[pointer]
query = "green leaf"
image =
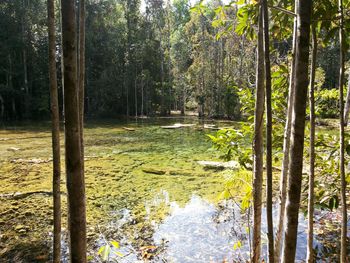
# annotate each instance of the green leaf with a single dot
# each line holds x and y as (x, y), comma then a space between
(100, 251)
(106, 252)
(115, 244)
(224, 195)
(119, 254)
(237, 245)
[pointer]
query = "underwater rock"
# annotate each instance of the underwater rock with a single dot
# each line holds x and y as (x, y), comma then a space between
(177, 126)
(219, 165)
(13, 149)
(153, 171)
(129, 129)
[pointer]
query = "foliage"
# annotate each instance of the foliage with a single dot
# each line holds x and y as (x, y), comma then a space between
(109, 251)
(327, 103)
(233, 144)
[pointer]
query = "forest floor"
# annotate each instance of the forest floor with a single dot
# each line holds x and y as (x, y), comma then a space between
(135, 179)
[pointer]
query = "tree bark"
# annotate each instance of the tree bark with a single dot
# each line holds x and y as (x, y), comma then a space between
(81, 72)
(268, 133)
(310, 230)
(2, 108)
(298, 127)
(347, 104)
(286, 153)
(258, 147)
(24, 56)
(342, 135)
(56, 151)
(74, 161)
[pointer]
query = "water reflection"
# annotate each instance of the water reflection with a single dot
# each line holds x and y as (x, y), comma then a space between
(203, 232)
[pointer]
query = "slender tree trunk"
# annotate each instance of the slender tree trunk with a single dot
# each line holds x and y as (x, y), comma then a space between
(347, 104)
(135, 87)
(74, 161)
(56, 151)
(142, 97)
(298, 127)
(62, 67)
(163, 108)
(310, 232)
(10, 85)
(343, 246)
(286, 151)
(183, 108)
(2, 108)
(25, 70)
(258, 147)
(268, 133)
(81, 90)
(126, 87)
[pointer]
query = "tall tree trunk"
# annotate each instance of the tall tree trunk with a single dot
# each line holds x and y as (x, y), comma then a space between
(56, 151)
(61, 61)
(135, 90)
(258, 147)
(268, 133)
(286, 151)
(10, 85)
(163, 107)
(25, 70)
(142, 87)
(347, 104)
(2, 108)
(342, 135)
(81, 81)
(310, 230)
(298, 128)
(74, 161)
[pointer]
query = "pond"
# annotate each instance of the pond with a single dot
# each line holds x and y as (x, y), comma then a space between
(144, 188)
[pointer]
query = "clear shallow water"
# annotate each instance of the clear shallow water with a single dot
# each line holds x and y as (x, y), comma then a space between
(123, 200)
(203, 232)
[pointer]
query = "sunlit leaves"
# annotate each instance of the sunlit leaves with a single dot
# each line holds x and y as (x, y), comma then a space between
(109, 251)
(247, 16)
(237, 245)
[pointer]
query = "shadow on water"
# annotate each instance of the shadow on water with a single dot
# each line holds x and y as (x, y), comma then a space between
(27, 253)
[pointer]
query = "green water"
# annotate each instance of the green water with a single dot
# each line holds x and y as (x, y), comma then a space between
(124, 170)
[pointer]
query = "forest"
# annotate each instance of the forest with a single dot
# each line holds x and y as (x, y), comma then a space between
(174, 131)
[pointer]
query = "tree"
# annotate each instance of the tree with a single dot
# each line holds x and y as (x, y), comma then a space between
(286, 150)
(81, 80)
(269, 186)
(55, 133)
(298, 129)
(258, 143)
(310, 230)
(74, 160)
(342, 135)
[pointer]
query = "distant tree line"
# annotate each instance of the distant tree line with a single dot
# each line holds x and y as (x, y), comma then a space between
(141, 59)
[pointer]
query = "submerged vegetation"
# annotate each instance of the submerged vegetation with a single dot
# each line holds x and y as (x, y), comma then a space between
(118, 164)
(134, 177)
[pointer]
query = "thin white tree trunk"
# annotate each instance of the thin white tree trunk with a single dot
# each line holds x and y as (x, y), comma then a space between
(347, 104)
(258, 147)
(343, 247)
(298, 129)
(286, 148)
(310, 230)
